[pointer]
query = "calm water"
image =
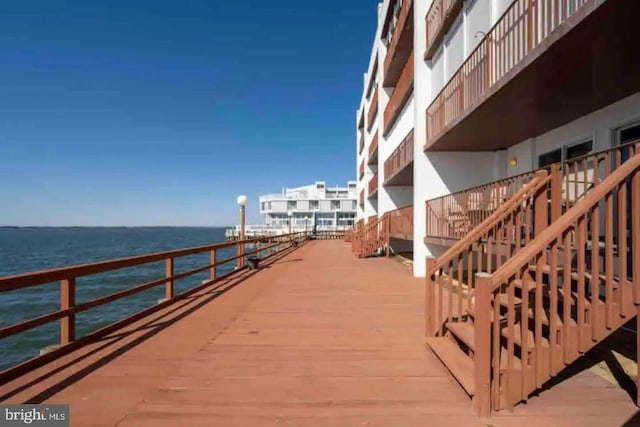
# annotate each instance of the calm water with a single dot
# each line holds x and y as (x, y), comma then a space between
(27, 250)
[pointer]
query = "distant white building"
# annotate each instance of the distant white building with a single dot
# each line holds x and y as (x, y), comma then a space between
(305, 208)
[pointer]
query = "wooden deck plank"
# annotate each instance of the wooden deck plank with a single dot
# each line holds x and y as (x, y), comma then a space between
(319, 338)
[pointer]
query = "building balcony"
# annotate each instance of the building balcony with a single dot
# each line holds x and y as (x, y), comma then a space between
(538, 68)
(439, 19)
(361, 170)
(361, 143)
(401, 223)
(373, 151)
(398, 169)
(361, 198)
(373, 110)
(400, 95)
(373, 186)
(401, 43)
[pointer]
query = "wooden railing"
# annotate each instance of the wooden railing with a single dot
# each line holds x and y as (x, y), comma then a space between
(395, 52)
(70, 307)
(373, 185)
(439, 18)
(369, 238)
(373, 147)
(401, 222)
(400, 158)
(452, 216)
(544, 238)
(523, 27)
(587, 265)
(400, 95)
(373, 110)
(450, 282)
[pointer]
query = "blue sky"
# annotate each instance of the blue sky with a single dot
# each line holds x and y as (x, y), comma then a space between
(161, 112)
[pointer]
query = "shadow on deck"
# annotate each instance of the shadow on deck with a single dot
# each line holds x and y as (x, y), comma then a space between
(319, 338)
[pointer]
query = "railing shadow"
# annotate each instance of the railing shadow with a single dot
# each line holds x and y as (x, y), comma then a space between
(634, 421)
(622, 342)
(202, 298)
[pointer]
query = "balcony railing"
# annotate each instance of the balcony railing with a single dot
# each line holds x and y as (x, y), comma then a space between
(400, 95)
(452, 216)
(399, 159)
(439, 19)
(361, 170)
(373, 185)
(522, 28)
(401, 222)
(373, 150)
(373, 110)
(400, 45)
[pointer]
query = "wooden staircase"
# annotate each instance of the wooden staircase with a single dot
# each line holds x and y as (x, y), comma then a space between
(371, 238)
(525, 294)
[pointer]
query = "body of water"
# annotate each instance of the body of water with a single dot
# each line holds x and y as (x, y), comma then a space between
(25, 250)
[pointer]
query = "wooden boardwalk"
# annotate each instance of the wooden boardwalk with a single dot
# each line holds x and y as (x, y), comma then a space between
(316, 338)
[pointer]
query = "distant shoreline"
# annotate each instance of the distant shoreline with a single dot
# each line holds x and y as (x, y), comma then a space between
(56, 227)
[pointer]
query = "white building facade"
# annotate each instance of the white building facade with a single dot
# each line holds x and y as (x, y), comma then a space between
(459, 93)
(315, 205)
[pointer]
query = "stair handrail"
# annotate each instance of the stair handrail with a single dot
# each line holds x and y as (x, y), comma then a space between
(539, 179)
(562, 224)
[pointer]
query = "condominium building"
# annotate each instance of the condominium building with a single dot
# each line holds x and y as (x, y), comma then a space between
(307, 208)
(500, 141)
(326, 208)
(461, 93)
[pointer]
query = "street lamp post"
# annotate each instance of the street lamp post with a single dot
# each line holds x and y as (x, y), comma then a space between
(242, 201)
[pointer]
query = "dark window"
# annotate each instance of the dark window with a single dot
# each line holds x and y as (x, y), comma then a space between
(630, 134)
(579, 150)
(551, 157)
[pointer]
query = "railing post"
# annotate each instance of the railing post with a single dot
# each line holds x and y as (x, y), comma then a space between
(541, 211)
(530, 33)
(212, 261)
(168, 291)
(429, 299)
(387, 233)
(482, 356)
(67, 301)
(556, 191)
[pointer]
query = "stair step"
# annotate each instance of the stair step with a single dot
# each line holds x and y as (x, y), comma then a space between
(517, 337)
(459, 364)
(504, 300)
(603, 278)
(504, 362)
(465, 332)
(546, 269)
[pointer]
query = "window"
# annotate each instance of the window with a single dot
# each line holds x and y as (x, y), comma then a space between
(269, 205)
(579, 150)
(346, 219)
(324, 219)
(314, 204)
(629, 134)
(549, 158)
(262, 205)
(291, 205)
(565, 153)
(335, 205)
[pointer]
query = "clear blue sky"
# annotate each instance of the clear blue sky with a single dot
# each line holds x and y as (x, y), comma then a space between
(161, 112)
